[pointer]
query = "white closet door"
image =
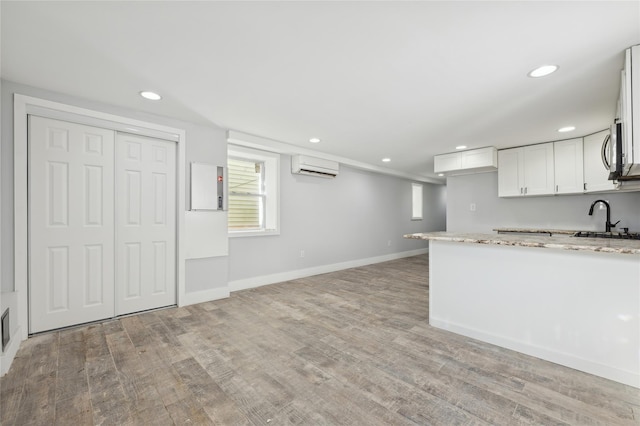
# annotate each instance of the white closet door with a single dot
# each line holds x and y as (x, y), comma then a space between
(71, 259)
(145, 223)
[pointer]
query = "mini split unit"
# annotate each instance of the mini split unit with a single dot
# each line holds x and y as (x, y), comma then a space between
(304, 165)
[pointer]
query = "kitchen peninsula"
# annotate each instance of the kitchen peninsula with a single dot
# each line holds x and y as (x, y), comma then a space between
(573, 301)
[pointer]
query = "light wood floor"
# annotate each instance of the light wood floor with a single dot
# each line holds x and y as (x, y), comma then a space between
(346, 348)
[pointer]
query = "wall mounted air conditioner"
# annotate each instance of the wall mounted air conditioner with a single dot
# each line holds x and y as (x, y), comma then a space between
(305, 165)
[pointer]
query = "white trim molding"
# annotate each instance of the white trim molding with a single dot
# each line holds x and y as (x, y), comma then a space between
(24, 105)
(209, 295)
(10, 352)
(271, 163)
(259, 281)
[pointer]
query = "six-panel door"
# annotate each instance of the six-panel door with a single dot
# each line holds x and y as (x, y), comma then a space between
(145, 223)
(102, 223)
(71, 224)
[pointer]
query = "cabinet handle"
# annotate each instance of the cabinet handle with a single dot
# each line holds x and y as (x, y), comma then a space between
(521, 190)
(584, 187)
(556, 188)
(525, 190)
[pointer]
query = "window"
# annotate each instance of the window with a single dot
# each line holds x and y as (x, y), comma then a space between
(416, 201)
(253, 188)
(246, 194)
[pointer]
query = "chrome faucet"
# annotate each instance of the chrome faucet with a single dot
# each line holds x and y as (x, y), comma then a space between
(608, 224)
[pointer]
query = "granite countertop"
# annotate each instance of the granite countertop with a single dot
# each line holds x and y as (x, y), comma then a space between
(563, 242)
(537, 231)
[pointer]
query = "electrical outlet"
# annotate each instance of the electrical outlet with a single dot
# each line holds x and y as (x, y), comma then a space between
(389, 243)
(301, 253)
(602, 206)
(472, 207)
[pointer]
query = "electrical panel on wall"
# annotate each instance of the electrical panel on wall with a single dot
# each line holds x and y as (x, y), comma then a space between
(207, 187)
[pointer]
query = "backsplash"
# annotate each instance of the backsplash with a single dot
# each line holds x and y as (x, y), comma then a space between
(556, 212)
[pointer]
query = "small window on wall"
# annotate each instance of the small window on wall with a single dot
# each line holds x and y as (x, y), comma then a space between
(246, 195)
(416, 201)
(253, 187)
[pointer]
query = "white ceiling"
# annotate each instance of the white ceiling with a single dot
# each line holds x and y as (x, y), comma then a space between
(404, 80)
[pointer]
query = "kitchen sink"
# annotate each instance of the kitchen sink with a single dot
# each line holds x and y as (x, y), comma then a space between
(612, 235)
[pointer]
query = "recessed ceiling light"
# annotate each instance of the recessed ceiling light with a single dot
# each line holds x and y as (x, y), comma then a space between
(461, 147)
(314, 140)
(386, 160)
(567, 129)
(440, 174)
(543, 70)
(152, 96)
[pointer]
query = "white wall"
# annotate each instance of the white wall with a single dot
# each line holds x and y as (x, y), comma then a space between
(1, 302)
(349, 218)
(204, 144)
(557, 212)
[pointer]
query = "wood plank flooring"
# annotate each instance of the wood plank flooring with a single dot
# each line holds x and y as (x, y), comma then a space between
(348, 348)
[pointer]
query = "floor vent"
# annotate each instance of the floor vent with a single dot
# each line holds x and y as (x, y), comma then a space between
(5, 329)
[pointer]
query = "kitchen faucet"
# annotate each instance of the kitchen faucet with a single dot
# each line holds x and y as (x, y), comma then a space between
(608, 224)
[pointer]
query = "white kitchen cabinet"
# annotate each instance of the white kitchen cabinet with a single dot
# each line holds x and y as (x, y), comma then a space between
(568, 166)
(511, 172)
(596, 175)
(464, 162)
(627, 110)
(525, 171)
(479, 159)
(538, 169)
(447, 162)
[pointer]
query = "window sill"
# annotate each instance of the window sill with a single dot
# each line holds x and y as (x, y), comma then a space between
(253, 233)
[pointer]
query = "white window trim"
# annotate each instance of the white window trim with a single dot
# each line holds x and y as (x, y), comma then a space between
(416, 201)
(24, 105)
(272, 188)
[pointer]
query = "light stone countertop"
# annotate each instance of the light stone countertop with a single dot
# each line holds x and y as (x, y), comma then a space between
(563, 242)
(538, 231)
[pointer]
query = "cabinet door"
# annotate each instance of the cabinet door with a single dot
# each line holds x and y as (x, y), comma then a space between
(596, 175)
(476, 158)
(538, 169)
(447, 162)
(510, 172)
(568, 166)
(626, 110)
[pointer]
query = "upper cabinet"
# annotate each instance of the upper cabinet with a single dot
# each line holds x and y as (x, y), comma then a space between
(526, 171)
(596, 172)
(538, 169)
(446, 163)
(464, 162)
(629, 115)
(568, 166)
(572, 166)
(511, 172)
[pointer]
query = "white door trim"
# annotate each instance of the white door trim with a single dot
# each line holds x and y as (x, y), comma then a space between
(23, 105)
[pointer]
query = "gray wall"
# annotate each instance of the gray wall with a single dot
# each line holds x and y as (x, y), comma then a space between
(348, 218)
(204, 144)
(351, 217)
(557, 212)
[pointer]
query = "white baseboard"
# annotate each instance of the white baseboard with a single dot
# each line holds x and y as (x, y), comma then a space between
(205, 296)
(630, 378)
(10, 351)
(259, 281)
